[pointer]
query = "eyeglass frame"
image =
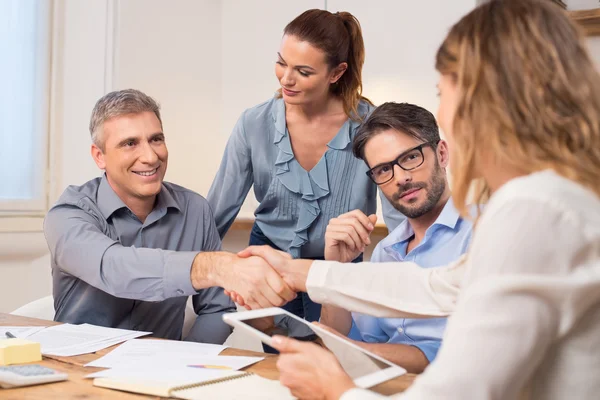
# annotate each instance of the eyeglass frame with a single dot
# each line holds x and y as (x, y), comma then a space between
(432, 143)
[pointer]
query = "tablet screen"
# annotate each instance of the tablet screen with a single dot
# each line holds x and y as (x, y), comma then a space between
(355, 362)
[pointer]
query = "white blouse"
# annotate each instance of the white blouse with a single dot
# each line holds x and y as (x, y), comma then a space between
(524, 302)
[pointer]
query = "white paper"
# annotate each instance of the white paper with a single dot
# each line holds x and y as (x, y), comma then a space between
(19, 331)
(70, 340)
(139, 353)
(96, 346)
(169, 377)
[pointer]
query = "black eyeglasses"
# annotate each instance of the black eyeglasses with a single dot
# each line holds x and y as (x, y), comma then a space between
(409, 160)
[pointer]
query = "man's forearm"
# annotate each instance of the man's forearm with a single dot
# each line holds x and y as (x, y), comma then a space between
(336, 318)
(207, 268)
(408, 357)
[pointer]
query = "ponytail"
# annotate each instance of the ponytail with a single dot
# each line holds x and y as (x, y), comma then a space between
(339, 36)
(349, 86)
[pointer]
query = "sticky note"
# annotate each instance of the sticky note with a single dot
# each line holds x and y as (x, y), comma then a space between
(18, 351)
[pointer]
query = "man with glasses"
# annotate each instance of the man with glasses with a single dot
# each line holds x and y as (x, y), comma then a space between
(407, 159)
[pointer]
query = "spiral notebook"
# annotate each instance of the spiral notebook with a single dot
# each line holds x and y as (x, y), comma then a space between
(230, 385)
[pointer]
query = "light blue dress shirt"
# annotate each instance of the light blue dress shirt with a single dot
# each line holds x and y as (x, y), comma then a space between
(444, 242)
(295, 205)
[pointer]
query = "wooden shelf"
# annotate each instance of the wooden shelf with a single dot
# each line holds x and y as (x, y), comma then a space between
(245, 224)
(588, 19)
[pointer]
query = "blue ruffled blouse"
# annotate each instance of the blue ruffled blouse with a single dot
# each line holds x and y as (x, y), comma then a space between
(295, 205)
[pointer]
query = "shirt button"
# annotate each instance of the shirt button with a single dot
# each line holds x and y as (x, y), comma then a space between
(400, 330)
(179, 291)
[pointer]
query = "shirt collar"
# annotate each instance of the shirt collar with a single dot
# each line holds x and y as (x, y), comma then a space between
(448, 217)
(109, 202)
(339, 142)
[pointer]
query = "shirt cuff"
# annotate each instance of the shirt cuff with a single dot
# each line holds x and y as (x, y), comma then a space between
(361, 394)
(430, 349)
(178, 266)
(316, 279)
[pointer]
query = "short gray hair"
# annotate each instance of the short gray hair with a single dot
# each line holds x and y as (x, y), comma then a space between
(115, 104)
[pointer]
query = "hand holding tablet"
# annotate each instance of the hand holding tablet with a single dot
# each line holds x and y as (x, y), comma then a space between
(364, 368)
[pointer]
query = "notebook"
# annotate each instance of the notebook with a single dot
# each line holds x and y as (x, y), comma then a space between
(230, 385)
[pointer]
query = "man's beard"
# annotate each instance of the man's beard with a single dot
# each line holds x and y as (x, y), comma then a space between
(435, 189)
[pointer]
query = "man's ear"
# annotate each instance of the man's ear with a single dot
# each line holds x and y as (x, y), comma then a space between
(443, 153)
(98, 156)
(338, 72)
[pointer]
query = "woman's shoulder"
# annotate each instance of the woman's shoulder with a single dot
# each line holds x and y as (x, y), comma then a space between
(544, 195)
(263, 111)
(365, 107)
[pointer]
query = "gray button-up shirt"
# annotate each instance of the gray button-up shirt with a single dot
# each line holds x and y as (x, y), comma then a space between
(110, 269)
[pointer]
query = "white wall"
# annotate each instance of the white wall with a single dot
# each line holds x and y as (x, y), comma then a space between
(401, 40)
(592, 42)
(172, 51)
(205, 61)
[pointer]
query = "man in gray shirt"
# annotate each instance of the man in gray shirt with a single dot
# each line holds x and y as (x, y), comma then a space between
(128, 249)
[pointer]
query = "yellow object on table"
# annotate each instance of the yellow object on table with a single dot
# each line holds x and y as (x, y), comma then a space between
(18, 351)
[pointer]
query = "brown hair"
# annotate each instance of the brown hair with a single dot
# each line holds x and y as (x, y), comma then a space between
(339, 36)
(406, 118)
(115, 104)
(529, 94)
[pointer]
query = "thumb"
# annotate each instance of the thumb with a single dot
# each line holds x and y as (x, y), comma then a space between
(250, 251)
(373, 218)
(286, 345)
(244, 253)
(267, 253)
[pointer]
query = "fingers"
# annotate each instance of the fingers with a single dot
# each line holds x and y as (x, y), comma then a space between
(362, 226)
(259, 284)
(269, 254)
(352, 228)
(235, 297)
(373, 219)
(264, 285)
(244, 253)
(278, 286)
(346, 234)
(287, 345)
(258, 250)
(360, 217)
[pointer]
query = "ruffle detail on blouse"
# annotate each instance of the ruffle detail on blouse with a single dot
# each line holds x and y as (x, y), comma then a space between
(312, 185)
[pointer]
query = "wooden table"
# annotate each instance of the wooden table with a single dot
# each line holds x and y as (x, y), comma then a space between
(76, 387)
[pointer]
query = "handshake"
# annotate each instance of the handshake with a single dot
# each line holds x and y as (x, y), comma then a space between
(261, 277)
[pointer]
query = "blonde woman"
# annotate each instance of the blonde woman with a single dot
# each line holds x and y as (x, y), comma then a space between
(520, 105)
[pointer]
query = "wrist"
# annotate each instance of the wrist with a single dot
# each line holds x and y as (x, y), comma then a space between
(207, 269)
(339, 387)
(299, 274)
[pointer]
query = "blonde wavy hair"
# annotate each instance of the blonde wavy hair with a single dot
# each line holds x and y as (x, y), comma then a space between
(529, 95)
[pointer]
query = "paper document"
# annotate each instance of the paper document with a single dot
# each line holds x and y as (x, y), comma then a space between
(171, 376)
(138, 353)
(71, 340)
(21, 332)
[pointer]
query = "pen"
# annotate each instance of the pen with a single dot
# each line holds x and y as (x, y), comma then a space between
(10, 335)
(209, 366)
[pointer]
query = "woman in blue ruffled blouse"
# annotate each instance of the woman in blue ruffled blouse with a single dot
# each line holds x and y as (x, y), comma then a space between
(296, 147)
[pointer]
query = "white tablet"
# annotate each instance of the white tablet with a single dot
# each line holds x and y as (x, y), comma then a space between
(364, 367)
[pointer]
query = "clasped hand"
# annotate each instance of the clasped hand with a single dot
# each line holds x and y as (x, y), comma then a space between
(290, 274)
